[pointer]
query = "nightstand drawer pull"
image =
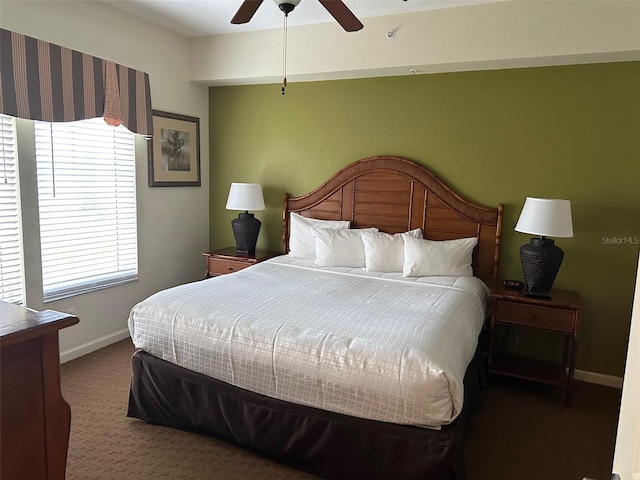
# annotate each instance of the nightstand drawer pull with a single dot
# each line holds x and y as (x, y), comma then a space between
(547, 318)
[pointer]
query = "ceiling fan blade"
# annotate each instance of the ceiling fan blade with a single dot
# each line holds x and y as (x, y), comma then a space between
(246, 11)
(342, 14)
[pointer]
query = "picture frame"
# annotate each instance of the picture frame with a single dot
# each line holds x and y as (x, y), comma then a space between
(174, 151)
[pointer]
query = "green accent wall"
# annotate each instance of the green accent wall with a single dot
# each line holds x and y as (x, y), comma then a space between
(495, 136)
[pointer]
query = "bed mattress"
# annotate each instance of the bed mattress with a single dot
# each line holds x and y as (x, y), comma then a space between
(375, 346)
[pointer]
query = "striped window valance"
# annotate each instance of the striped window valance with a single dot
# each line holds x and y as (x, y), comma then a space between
(43, 81)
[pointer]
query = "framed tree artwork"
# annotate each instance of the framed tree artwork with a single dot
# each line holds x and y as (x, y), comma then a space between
(174, 151)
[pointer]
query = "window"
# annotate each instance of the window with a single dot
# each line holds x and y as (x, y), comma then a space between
(87, 205)
(11, 270)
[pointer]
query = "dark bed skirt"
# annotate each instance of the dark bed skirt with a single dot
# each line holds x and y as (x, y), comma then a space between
(330, 445)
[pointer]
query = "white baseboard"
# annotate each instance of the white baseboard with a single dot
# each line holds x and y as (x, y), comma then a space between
(93, 345)
(598, 378)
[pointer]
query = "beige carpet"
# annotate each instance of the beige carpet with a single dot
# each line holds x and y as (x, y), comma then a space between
(522, 432)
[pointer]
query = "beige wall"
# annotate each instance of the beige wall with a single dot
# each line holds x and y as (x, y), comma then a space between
(172, 222)
(510, 34)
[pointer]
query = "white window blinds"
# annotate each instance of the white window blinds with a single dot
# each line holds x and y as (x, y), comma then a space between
(11, 271)
(87, 204)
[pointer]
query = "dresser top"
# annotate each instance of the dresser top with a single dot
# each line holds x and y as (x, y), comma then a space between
(18, 323)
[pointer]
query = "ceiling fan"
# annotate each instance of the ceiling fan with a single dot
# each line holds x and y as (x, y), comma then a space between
(336, 8)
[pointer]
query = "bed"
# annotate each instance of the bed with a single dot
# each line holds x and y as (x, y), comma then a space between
(294, 358)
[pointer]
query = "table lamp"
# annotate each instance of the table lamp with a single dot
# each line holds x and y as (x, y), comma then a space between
(541, 258)
(245, 196)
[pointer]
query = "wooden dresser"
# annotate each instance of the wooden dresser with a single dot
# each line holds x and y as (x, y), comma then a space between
(34, 418)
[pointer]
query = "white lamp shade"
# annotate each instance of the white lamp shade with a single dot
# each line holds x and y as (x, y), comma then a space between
(547, 217)
(245, 196)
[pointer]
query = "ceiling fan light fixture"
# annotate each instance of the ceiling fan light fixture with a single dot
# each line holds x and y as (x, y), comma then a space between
(287, 6)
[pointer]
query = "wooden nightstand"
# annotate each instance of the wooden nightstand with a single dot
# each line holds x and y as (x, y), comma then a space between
(560, 314)
(228, 260)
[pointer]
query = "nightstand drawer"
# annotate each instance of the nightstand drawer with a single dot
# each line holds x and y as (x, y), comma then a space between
(547, 318)
(229, 260)
(220, 267)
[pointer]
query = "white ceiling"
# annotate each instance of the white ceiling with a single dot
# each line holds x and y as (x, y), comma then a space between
(195, 18)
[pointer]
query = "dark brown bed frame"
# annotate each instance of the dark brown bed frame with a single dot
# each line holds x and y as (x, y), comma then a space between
(395, 195)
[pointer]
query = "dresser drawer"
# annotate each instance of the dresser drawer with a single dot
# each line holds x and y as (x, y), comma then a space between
(547, 318)
(218, 266)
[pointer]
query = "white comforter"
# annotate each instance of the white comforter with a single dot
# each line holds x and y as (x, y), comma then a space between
(374, 346)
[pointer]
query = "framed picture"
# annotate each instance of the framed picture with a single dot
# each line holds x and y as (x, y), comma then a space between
(174, 151)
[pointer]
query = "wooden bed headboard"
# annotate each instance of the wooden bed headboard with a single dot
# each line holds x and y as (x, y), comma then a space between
(396, 195)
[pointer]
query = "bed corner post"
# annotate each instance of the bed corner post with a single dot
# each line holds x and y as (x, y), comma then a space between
(496, 257)
(285, 223)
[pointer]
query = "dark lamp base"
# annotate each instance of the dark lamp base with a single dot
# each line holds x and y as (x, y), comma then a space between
(245, 230)
(541, 260)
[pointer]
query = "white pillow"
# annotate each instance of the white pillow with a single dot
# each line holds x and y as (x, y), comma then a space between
(339, 248)
(301, 242)
(384, 252)
(423, 258)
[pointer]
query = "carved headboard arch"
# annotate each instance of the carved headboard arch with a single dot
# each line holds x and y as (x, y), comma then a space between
(395, 194)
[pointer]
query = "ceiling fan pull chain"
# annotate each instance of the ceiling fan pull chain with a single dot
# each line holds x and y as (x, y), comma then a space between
(284, 56)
